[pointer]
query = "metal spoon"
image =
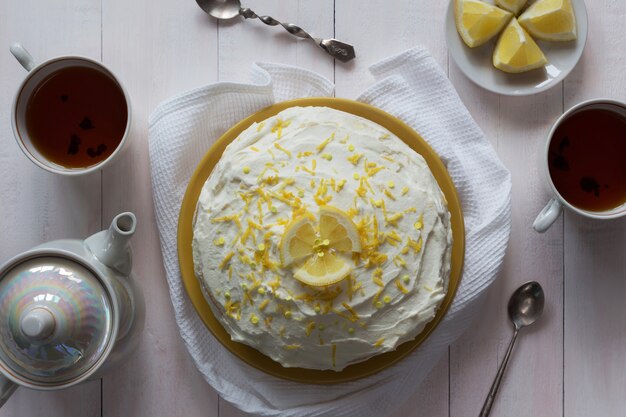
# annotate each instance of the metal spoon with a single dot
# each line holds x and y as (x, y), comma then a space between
(525, 306)
(228, 9)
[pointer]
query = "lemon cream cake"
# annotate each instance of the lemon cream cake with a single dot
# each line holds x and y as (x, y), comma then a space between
(321, 239)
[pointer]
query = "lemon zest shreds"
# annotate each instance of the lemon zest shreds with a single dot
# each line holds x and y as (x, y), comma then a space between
(415, 245)
(361, 190)
(379, 342)
(226, 259)
(278, 127)
(230, 218)
(399, 261)
(263, 305)
(401, 287)
(394, 235)
(390, 241)
(309, 328)
(293, 347)
(354, 158)
(219, 241)
(377, 277)
(310, 171)
(394, 218)
(319, 148)
(343, 315)
(254, 148)
(373, 171)
(246, 297)
(271, 153)
(388, 194)
(233, 309)
(260, 126)
(280, 148)
(354, 314)
(404, 190)
(303, 154)
(327, 156)
(274, 284)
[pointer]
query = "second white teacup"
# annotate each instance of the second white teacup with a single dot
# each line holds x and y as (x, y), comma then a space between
(558, 157)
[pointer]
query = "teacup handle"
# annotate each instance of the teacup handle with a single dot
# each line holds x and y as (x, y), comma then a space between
(6, 389)
(23, 56)
(547, 216)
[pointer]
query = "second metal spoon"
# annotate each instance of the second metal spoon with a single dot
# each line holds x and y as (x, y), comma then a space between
(525, 306)
(228, 9)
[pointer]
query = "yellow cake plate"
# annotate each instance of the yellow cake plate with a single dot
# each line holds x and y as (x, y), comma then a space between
(252, 356)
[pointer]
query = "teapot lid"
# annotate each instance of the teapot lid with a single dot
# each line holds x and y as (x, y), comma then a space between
(56, 321)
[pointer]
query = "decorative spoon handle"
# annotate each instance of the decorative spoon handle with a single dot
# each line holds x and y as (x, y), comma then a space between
(496, 383)
(338, 50)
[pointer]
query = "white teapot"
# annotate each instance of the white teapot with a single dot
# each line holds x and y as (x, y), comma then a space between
(69, 310)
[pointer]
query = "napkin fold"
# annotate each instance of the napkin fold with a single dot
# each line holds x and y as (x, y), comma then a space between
(410, 86)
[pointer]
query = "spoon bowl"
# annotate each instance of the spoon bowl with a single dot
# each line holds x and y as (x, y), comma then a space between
(526, 304)
(220, 9)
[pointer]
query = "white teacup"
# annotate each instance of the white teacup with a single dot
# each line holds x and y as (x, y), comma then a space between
(553, 209)
(38, 72)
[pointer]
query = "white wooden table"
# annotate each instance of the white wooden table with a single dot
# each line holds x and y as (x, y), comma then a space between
(572, 363)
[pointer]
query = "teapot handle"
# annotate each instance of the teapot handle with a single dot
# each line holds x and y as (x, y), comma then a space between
(6, 389)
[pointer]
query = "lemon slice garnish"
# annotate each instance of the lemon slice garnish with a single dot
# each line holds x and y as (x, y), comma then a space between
(324, 270)
(339, 230)
(298, 239)
(513, 6)
(320, 250)
(551, 20)
(516, 51)
(477, 22)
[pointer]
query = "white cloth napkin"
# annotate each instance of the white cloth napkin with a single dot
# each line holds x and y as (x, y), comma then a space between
(410, 86)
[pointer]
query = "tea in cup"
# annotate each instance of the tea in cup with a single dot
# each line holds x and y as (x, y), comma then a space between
(71, 115)
(585, 162)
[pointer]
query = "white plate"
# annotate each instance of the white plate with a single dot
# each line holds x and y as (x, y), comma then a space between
(476, 63)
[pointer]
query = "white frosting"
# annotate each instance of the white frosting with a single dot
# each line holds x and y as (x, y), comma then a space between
(355, 319)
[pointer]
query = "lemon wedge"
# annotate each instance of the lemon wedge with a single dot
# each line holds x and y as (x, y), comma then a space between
(550, 20)
(322, 249)
(516, 51)
(477, 22)
(513, 6)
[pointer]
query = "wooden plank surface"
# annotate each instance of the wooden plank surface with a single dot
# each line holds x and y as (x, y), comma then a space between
(595, 261)
(159, 49)
(38, 206)
(570, 364)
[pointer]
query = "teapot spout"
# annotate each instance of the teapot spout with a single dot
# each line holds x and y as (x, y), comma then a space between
(112, 246)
